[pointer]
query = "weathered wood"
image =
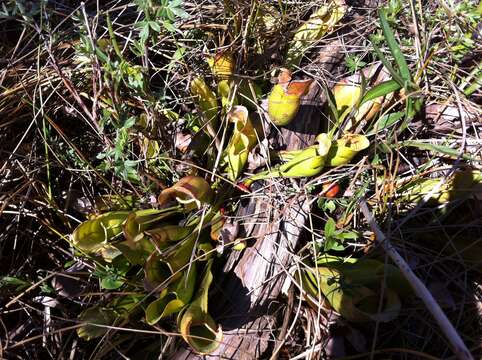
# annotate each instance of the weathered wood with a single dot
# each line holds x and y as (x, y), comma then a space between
(245, 302)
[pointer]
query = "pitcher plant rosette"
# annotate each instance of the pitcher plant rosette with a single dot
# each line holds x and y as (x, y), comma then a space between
(173, 245)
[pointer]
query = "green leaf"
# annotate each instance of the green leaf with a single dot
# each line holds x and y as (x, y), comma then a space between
(330, 98)
(326, 205)
(111, 282)
(393, 46)
(176, 298)
(195, 324)
(382, 89)
(169, 26)
(111, 276)
(347, 235)
(91, 235)
(179, 11)
(176, 57)
(396, 76)
(144, 34)
(352, 288)
(333, 243)
(386, 121)
(436, 148)
(112, 37)
(330, 228)
(169, 14)
(95, 320)
(137, 48)
(130, 122)
(173, 4)
(414, 105)
(19, 284)
(477, 81)
(354, 62)
(155, 26)
(101, 55)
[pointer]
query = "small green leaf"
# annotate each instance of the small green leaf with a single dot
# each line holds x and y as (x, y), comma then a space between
(111, 282)
(330, 206)
(130, 122)
(169, 26)
(354, 62)
(144, 34)
(386, 121)
(326, 205)
(347, 235)
(176, 57)
(169, 14)
(333, 243)
(155, 26)
(179, 12)
(111, 276)
(382, 89)
(330, 228)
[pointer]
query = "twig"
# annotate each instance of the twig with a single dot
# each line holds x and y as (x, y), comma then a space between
(284, 327)
(459, 347)
(30, 288)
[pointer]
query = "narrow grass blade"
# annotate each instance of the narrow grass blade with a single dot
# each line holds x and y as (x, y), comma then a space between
(113, 39)
(476, 83)
(396, 76)
(441, 149)
(331, 101)
(393, 46)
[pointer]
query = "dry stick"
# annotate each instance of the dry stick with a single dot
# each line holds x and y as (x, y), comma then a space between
(459, 347)
(30, 288)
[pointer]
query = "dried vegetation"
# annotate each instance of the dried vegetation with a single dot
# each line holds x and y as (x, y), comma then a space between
(180, 179)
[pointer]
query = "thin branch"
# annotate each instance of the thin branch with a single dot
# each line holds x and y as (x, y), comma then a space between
(458, 345)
